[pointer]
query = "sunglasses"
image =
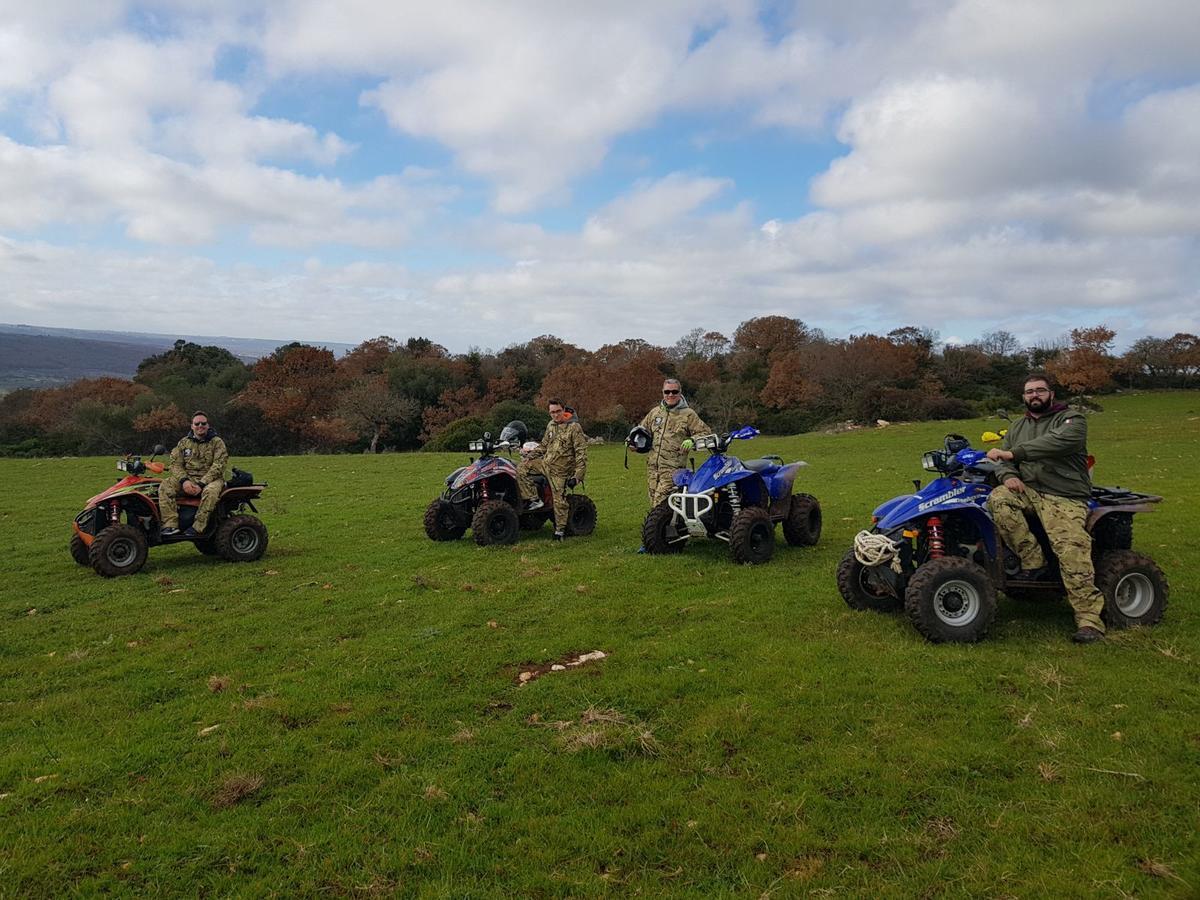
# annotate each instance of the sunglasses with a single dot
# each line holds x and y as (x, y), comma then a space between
(670, 393)
(199, 424)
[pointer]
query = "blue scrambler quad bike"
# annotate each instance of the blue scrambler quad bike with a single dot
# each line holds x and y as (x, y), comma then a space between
(483, 496)
(936, 553)
(734, 501)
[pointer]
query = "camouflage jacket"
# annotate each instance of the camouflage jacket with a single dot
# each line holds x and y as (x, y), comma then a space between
(1049, 453)
(670, 427)
(201, 461)
(564, 447)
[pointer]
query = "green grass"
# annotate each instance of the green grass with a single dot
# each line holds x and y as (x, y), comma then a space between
(747, 734)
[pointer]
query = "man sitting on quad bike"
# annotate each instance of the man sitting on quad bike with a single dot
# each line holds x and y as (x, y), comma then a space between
(1042, 467)
(561, 457)
(198, 469)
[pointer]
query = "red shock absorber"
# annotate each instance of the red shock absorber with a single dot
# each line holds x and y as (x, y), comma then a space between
(483, 491)
(937, 540)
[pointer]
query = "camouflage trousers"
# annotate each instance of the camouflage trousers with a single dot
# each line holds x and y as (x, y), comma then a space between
(1064, 521)
(660, 481)
(558, 488)
(168, 505)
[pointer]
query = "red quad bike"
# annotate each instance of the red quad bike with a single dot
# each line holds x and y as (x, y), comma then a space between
(483, 496)
(118, 526)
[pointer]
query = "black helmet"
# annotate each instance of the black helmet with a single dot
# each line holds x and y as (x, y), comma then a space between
(956, 442)
(514, 432)
(640, 439)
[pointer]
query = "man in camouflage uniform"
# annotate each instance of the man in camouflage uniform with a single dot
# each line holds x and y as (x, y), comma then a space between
(561, 457)
(197, 469)
(1043, 469)
(674, 424)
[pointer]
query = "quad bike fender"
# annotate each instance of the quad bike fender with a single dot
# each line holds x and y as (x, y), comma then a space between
(779, 482)
(1099, 512)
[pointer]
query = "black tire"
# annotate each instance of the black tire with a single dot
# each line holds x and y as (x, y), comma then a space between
(495, 522)
(241, 539)
(752, 536)
(1134, 587)
(118, 550)
(951, 599)
(1113, 531)
(441, 522)
(659, 532)
(581, 516)
(208, 546)
(79, 551)
(856, 584)
(802, 527)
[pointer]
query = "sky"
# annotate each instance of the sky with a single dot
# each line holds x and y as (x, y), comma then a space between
(480, 173)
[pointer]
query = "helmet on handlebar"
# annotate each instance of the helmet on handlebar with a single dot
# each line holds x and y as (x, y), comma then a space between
(640, 440)
(514, 433)
(956, 442)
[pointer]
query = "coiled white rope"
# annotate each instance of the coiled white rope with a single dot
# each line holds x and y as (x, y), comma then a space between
(876, 550)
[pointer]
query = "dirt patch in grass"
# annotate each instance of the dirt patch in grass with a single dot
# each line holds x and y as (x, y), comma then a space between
(218, 683)
(531, 671)
(235, 789)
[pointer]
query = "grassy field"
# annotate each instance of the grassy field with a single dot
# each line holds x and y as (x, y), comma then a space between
(345, 716)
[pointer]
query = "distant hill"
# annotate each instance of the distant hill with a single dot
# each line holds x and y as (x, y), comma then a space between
(32, 356)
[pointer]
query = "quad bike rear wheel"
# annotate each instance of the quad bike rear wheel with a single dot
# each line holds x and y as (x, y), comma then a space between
(951, 599)
(1134, 587)
(79, 550)
(207, 546)
(802, 527)
(241, 539)
(118, 550)
(495, 522)
(752, 536)
(581, 516)
(660, 533)
(862, 586)
(441, 522)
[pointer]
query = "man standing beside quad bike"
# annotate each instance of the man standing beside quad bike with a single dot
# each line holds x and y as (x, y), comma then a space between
(561, 457)
(1042, 467)
(666, 434)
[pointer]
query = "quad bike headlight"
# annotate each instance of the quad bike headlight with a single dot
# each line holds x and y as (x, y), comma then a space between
(475, 446)
(707, 442)
(931, 461)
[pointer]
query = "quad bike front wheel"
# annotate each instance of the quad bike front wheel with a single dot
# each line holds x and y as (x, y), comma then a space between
(241, 539)
(118, 550)
(495, 522)
(951, 599)
(752, 536)
(1134, 587)
(441, 522)
(79, 551)
(863, 587)
(581, 516)
(660, 534)
(802, 527)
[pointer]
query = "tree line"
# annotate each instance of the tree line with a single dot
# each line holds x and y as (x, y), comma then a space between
(774, 372)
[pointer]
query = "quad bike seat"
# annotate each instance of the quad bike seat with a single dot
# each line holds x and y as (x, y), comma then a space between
(763, 466)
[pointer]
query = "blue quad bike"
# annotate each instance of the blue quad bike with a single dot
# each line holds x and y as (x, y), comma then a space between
(736, 501)
(935, 553)
(483, 496)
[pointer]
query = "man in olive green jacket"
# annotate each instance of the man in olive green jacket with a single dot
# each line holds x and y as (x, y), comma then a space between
(1043, 469)
(673, 424)
(561, 457)
(197, 469)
